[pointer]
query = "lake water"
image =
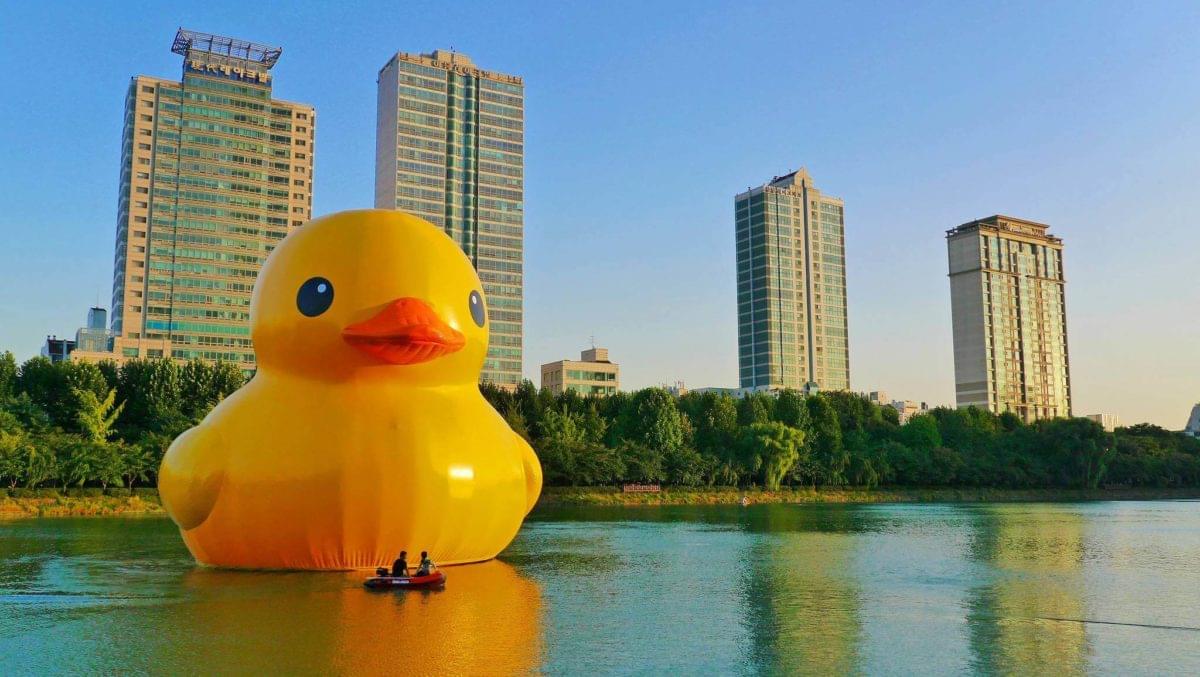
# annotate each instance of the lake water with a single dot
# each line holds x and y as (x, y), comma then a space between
(881, 589)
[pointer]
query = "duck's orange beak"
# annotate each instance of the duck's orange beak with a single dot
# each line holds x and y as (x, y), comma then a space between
(406, 331)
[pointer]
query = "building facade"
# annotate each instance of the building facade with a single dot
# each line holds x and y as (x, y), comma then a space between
(791, 273)
(592, 374)
(449, 147)
(1007, 294)
(214, 173)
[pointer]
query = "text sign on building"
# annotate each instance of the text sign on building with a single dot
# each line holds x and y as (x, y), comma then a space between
(202, 67)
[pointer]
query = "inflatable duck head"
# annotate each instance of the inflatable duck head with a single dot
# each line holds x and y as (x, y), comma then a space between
(370, 292)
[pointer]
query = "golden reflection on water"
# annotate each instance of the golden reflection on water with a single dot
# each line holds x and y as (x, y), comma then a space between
(802, 594)
(486, 621)
(1027, 620)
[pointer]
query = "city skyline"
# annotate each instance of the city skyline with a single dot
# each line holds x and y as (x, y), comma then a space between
(1129, 356)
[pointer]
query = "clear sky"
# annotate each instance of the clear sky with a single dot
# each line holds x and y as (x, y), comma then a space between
(645, 118)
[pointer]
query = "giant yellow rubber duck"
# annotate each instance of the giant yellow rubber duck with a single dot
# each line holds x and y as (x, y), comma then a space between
(363, 433)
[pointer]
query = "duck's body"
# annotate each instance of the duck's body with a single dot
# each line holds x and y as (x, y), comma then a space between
(340, 467)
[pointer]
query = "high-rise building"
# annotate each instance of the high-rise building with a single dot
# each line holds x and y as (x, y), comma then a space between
(791, 271)
(449, 147)
(592, 374)
(1010, 321)
(214, 173)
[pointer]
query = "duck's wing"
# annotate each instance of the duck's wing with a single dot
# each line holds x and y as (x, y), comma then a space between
(533, 472)
(191, 475)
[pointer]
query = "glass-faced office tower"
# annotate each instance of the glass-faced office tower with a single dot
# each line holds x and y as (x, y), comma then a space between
(791, 271)
(214, 173)
(449, 147)
(1009, 314)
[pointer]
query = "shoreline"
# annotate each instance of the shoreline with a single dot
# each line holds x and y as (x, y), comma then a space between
(28, 503)
(612, 496)
(24, 503)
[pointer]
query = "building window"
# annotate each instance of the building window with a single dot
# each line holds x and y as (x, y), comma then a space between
(143, 189)
(129, 352)
(298, 182)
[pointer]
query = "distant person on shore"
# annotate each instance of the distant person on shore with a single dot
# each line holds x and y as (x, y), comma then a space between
(427, 566)
(400, 566)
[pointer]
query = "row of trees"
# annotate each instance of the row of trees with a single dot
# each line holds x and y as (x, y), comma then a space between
(76, 424)
(68, 423)
(829, 439)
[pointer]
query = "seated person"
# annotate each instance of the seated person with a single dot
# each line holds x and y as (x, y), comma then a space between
(427, 566)
(400, 566)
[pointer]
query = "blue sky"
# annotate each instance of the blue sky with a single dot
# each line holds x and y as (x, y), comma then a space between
(643, 121)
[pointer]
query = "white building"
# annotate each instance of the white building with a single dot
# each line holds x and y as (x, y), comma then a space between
(1107, 421)
(1193, 425)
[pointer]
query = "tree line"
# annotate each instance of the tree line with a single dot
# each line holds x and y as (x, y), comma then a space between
(829, 439)
(72, 424)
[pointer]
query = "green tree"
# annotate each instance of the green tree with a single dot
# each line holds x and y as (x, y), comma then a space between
(828, 454)
(13, 454)
(643, 463)
(920, 432)
(775, 448)
(202, 386)
(791, 410)
(652, 419)
(152, 393)
(754, 408)
(97, 418)
(8, 376)
(1079, 447)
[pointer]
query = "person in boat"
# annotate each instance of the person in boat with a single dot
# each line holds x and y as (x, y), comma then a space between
(427, 566)
(400, 566)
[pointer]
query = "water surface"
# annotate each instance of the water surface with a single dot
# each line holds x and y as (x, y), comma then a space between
(879, 589)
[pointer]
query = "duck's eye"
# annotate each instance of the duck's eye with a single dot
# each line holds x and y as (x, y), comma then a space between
(477, 312)
(315, 296)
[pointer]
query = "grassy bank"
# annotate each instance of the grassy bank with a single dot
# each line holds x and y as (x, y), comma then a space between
(16, 503)
(726, 495)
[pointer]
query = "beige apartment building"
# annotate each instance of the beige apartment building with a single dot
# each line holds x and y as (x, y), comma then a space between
(214, 173)
(791, 276)
(591, 374)
(1007, 294)
(450, 148)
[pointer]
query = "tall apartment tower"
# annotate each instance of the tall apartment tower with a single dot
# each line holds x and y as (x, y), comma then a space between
(449, 147)
(1010, 321)
(791, 270)
(214, 173)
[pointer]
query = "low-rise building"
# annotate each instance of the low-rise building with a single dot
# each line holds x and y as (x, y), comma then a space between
(1107, 421)
(57, 349)
(592, 374)
(905, 408)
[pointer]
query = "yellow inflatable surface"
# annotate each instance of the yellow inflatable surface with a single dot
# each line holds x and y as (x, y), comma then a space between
(363, 432)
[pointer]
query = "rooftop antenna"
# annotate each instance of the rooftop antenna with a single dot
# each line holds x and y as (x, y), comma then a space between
(593, 339)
